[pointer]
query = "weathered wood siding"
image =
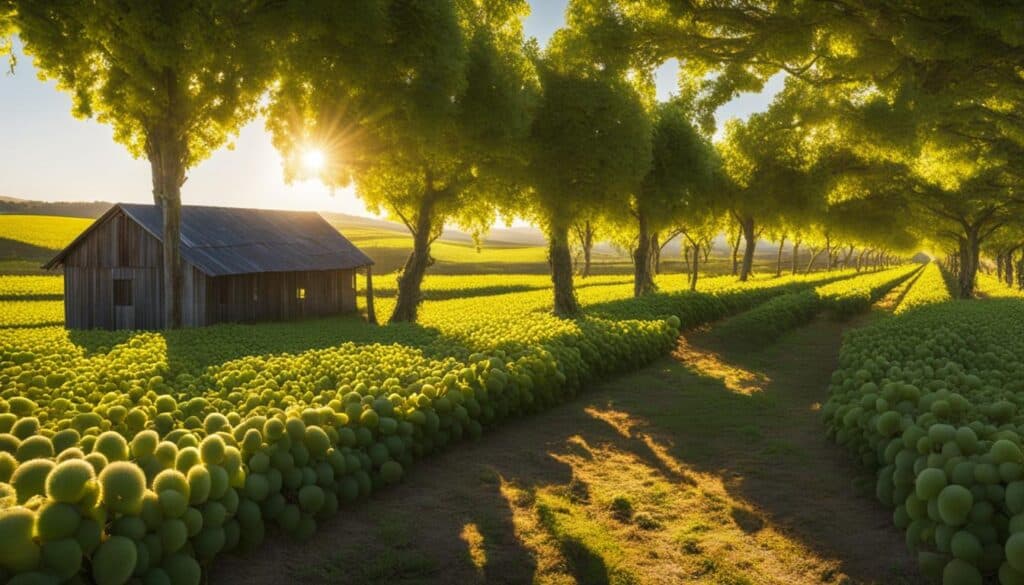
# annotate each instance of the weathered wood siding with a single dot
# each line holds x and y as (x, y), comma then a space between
(122, 249)
(118, 249)
(274, 296)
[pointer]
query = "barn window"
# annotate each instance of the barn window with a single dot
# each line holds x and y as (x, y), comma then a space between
(122, 292)
(300, 293)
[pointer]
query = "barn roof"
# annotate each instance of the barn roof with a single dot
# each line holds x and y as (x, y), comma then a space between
(221, 241)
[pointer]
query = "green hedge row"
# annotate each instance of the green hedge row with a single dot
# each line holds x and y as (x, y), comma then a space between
(933, 400)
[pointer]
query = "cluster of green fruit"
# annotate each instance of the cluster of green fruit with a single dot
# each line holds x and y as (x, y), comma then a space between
(771, 319)
(130, 475)
(847, 298)
(141, 456)
(929, 288)
(933, 401)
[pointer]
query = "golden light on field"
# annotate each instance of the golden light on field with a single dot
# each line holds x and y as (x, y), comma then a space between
(313, 160)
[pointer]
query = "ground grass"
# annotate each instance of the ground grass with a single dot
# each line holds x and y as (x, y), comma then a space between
(706, 467)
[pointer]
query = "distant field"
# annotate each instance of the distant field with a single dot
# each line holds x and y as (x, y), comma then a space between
(27, 241)
(43, 231)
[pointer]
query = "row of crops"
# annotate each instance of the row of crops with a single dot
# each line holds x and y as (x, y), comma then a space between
(143, 456)
(932, 401)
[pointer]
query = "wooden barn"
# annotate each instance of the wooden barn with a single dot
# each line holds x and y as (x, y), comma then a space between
(239, 265)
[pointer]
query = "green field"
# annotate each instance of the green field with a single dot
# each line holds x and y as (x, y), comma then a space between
(278, 425)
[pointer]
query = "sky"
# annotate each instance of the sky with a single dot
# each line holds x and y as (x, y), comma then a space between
(47, 154)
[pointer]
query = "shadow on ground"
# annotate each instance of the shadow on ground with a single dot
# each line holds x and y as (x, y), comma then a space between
(710, 466)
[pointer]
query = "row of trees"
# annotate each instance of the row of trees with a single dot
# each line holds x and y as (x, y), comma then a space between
(887, 135)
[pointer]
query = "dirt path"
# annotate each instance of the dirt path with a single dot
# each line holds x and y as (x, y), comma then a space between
(710, 466)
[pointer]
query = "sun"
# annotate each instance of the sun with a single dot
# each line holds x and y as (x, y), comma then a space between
(313, 160)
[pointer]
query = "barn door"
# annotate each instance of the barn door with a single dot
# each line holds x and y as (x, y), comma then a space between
(124, 304)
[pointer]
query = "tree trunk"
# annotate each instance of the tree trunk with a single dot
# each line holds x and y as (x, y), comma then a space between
(686, 256)
(814, 256)
(588, 246)
(796, 254)
(643, 278)
(1009, 269)
(846, 258)
(695, 273)
(560, 261)
(656, 253)
(748, 253)
(371, 312)
(1020, 273)
(860, 258)
(166, 158)
(410, 281)
(736, 252)
(969, 253)
(778, 260)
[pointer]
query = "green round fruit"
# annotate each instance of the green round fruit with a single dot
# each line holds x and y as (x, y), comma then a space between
(57, 521)
(391, 471)
(199, 484)
(966, 546)
(144, 444)
(171, 479)
(123, 486)
(929, 483)
(35, 447)
(173, 535)
(209, 542)
(63, 557)
(112, 445)
(68, 480)
(182, 569)
(172, 503)
(311, 499)
(1005, 451)
(19, 552)
(959, 572)
(317, 442)
(29, 479)
(211, 450)
(955, 504)
(1014, 549)
(114, 561)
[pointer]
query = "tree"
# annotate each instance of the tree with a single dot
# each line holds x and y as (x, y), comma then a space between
(677, 186)
(589, 150)
(941, 105)
(767, 163)
(7, 31)
(172, 89)
(425, 105)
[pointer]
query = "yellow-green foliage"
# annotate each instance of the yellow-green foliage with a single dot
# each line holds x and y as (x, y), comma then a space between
(929, 288)
(932, 401)
(990, 286)
(31, 313)
(20, 287)
(849, 297)
(45, 231)
(250, 425)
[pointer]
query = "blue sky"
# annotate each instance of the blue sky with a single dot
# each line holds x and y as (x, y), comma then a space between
(45, 153)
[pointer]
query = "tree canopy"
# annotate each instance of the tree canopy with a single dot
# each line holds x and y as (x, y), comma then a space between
(174, 82)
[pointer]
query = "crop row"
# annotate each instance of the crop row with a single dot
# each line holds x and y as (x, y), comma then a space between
(844, 298)
(929, 288)
(932, 400)
(25, 287)
(122, 458)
